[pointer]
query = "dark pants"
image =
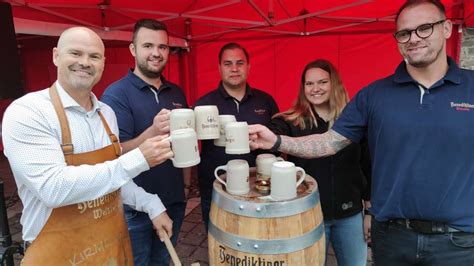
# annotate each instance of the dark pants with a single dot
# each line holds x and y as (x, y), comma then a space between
(146, 245)
(394, 244)
(206, 208)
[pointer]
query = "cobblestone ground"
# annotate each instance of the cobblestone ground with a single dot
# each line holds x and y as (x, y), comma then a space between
(192, 242)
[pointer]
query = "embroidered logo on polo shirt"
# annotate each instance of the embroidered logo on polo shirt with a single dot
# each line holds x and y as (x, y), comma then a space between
(465, 107)
(346, 205)
(260, 111)
(177, 105)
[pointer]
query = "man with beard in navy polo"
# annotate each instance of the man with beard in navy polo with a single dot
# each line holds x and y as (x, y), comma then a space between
(420, 126)
(142, 100)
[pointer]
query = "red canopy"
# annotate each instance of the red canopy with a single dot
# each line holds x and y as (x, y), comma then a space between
(210, 19)
(280, 35)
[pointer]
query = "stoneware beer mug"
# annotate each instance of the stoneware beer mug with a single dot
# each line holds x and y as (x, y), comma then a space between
(237, 138)
(181, 118)
(223, 120)
(284, 184)
(264, 164)
(207, 121)
(185, 148)
(237, 177)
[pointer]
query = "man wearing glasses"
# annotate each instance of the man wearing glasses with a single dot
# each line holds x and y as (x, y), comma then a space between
(420, 126)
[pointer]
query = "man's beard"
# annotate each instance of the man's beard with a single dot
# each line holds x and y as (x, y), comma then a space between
(426, 60)
(152, 74)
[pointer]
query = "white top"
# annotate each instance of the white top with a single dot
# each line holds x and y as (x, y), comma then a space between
(32, 143)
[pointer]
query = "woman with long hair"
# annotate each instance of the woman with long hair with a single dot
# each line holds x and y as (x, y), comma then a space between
(342, 178)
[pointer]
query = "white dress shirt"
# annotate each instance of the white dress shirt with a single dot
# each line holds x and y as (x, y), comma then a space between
(32, 143)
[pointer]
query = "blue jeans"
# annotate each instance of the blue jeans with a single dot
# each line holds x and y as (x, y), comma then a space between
(347, 238)
(394, 244)
(147, 247)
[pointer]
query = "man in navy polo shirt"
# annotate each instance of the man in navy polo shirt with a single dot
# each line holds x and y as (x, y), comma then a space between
(420, 125)
(233, 97)
(142, 100)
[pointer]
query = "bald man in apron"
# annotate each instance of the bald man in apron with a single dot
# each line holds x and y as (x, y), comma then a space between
(62, 146)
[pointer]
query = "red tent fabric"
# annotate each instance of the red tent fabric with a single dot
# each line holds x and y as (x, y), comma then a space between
(280, 35)
(208, 19)
(469, 13)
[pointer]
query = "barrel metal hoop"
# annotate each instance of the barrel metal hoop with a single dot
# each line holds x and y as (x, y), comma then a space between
(270, 247)
(266, 209)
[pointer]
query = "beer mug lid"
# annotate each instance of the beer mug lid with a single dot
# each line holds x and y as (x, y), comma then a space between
(265, 155)
(283, 164)
(237, 162)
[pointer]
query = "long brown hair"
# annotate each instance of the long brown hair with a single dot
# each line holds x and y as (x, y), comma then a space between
(301, 113)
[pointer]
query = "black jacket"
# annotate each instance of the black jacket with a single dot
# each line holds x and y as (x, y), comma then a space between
(343, 179)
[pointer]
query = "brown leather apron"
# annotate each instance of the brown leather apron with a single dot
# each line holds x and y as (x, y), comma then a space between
(88, 233)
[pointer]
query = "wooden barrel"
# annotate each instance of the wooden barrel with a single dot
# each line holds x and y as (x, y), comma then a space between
(253, 230)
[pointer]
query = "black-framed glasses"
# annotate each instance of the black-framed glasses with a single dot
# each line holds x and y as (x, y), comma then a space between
(423, 31)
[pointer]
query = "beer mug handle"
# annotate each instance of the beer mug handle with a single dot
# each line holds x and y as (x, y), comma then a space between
(170, 139)
(222, 167)
(303, 174)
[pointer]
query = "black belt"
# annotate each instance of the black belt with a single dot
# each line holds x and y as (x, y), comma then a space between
(425, 227)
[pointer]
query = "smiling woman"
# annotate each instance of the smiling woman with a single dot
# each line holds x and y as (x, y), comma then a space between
(321, 94)
(340, 177)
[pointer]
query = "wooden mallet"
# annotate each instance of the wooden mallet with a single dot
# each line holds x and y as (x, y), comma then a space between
(172, 251)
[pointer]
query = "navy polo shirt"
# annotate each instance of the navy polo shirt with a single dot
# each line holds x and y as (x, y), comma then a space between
(421, 145)
(256, 107)
(136, 103)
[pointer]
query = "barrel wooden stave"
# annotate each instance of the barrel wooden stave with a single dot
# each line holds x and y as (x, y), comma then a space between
(274, 228)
